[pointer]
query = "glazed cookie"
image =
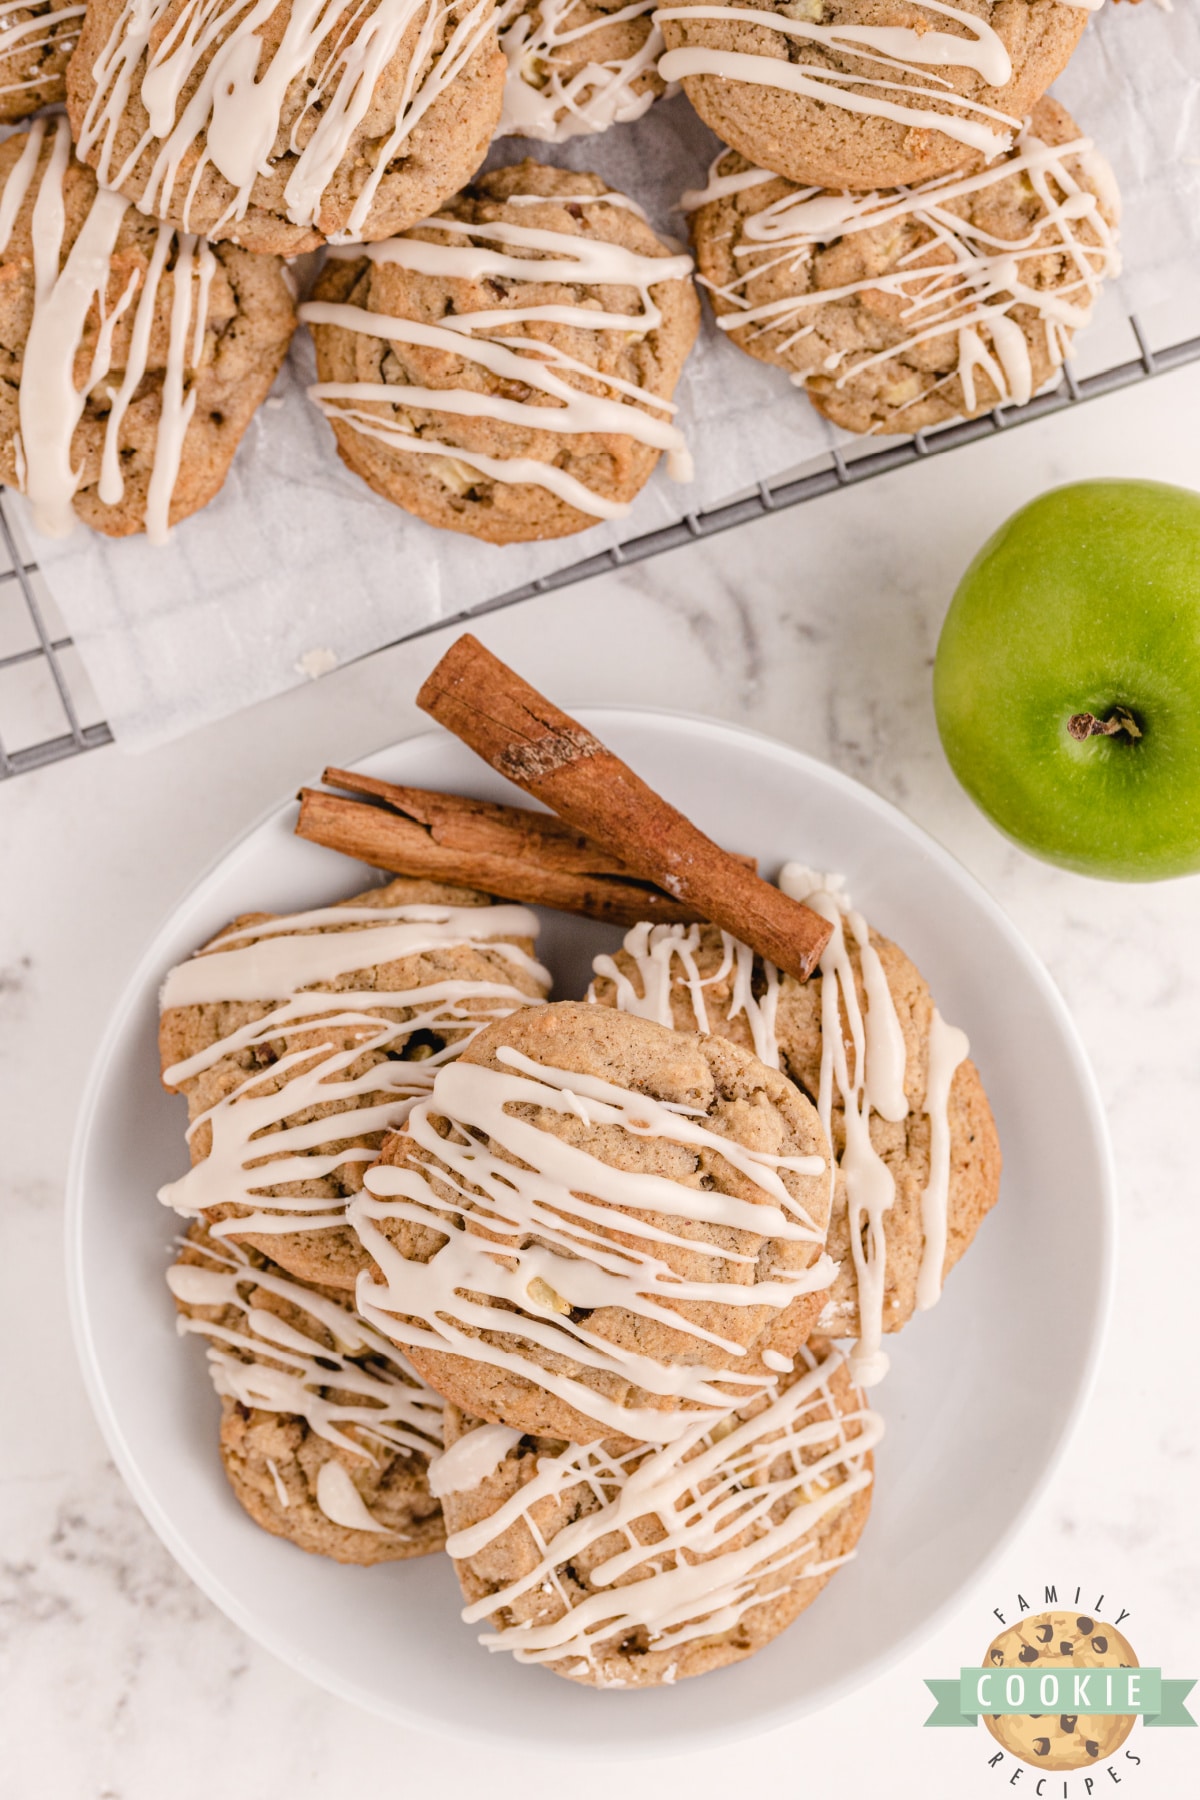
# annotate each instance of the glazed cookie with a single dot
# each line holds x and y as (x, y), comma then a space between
(595, 1225)
(862, 94)
(36, 41)
(735, 1529)
(577, 66)
(918, 1162)
(326, 1434)
(1053, 1641)
(506, 368)
(278, 126)
(899, 310)
(132, 359)
(301, 1040)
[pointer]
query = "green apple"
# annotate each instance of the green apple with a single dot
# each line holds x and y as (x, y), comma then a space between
(1067, 679)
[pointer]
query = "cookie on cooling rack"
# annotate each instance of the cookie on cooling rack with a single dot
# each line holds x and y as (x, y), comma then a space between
(898, 310)
(326, 1433)
(566, 1570)
(280, 132)
(36, 42)
(596, 1226)
(918, 1159)
(576, 67)
(130, 374)
(862, 94)
(301, 1040)
(505, 369)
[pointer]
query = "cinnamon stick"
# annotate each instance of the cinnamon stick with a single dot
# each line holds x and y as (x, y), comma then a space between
(542, 749)
(509, 851)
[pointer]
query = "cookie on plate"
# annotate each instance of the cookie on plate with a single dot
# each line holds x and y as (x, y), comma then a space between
(899, 310)
(631, 1566)
(505, 369)
(279, 129)
(918, 1160)
(862, 94)
(301, 1040)
(36, 41)
(596, 1226)
(326, 1433)
(133, 358)
(577, 66)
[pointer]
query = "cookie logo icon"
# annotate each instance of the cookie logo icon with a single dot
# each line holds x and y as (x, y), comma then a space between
(1054, 1645)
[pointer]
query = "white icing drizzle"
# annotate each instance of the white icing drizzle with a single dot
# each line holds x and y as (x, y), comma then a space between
(665, 956)
(875, 1083)
(538, 42)
(273, 961)
(948, 1048)
(655, 949)
(356, 1394)
(527, 1184)
(25, 29)
(50, 405)
(701, 1495)
(971, 291)
(488, 338)
(471, 1459)
(205, 76)
(905, 54)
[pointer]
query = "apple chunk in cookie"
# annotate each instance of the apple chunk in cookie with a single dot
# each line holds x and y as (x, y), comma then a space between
(597, 1227)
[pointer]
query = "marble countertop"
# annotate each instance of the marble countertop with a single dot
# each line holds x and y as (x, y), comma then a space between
(120, 1680)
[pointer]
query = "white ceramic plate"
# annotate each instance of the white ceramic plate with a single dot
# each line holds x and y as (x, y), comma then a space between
(981, 1397)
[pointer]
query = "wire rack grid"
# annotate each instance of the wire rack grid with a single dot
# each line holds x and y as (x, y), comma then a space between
(36, 654)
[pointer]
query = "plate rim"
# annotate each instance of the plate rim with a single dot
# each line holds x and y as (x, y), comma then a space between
(294, 1656)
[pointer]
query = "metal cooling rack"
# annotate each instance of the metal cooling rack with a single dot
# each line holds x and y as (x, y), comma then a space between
(43, 680)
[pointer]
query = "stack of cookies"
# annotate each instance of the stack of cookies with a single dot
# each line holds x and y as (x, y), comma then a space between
(587, 1290)
(902, 222)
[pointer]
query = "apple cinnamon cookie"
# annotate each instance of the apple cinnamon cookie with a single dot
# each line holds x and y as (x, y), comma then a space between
(326, 1434)
(597, 1226)
(861, 94)
(301, 1040)
(917, 1157)
(505, 368)
(631, 1566)
(133, 356)
(904, 308)
(577, 66)
(280, 126)
(36, 41)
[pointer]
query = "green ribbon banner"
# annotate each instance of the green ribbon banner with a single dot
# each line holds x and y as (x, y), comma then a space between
(1092, 1693)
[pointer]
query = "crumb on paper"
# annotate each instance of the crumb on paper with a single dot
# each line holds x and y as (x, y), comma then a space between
(315, 663)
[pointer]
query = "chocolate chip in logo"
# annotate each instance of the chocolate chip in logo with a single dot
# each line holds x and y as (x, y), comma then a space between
(1092, 1748)
(1041, 1746)
(996, 1656)
(1100, 1645)
(1067, 1722)
(1086, 1626)
(1027, 1653)
(1065, 1649)
(1044, 1633)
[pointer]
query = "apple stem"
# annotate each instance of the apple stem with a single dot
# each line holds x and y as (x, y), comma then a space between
(1085, 725)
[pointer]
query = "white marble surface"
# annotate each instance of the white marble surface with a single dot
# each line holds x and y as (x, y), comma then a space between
(120, 1681)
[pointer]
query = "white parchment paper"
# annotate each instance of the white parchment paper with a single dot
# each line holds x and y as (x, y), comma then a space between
(296, 566)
